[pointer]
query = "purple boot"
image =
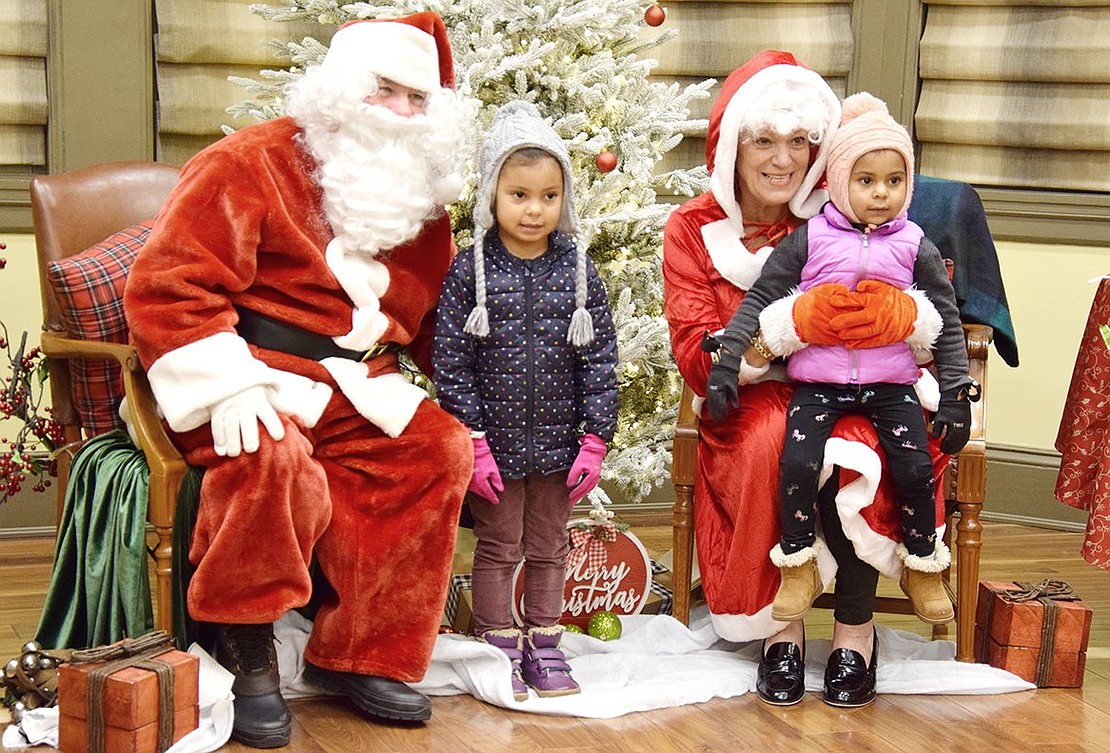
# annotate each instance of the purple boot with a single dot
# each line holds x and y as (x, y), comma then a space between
(509, 641)
(545, 666)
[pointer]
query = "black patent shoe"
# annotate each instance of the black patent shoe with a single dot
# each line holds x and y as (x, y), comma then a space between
(781, 679)
(379, 697)
(849, 683)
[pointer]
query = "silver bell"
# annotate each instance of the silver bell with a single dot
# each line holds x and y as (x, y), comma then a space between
(30, 663)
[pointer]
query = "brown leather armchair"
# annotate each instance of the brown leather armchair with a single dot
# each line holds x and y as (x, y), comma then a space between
(73, 211)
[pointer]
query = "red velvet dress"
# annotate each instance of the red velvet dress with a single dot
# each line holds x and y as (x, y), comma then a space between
(736, 488)
(373, 489)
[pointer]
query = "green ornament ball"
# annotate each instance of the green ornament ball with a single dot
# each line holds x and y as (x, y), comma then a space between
(572, 628)
(604, 625)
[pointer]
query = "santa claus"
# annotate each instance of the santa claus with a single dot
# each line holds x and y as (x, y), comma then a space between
(292, 263)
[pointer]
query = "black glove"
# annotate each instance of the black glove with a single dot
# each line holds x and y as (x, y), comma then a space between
(953, 420)
(723, 394)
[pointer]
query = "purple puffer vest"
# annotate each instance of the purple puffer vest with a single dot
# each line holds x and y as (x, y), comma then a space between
(839, 252)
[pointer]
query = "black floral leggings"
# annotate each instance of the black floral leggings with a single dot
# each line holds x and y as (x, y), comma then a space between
(899, 422)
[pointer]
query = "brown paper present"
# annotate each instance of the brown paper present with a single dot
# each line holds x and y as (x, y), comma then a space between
(129, 704)
(1037, 632)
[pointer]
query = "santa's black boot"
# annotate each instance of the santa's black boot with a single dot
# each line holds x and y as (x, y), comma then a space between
(262, 720)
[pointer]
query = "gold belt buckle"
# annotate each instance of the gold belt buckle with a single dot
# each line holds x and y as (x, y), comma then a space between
(376, 350)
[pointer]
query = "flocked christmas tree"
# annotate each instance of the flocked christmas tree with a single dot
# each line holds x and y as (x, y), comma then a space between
(580, 62)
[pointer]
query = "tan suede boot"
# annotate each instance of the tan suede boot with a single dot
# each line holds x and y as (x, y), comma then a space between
(801, 583)
(922, 582)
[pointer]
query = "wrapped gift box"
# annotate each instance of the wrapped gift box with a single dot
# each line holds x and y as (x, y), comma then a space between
(129, 705)
(1042, 640)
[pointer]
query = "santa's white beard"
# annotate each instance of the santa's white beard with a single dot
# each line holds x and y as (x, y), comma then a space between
(378, 181)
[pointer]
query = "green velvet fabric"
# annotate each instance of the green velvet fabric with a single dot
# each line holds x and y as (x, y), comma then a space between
(185, 630)
(100, 588)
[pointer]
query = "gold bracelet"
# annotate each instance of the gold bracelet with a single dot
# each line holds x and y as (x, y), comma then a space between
(761, 347)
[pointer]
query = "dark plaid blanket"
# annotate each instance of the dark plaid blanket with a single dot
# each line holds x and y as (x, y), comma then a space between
(952, 216)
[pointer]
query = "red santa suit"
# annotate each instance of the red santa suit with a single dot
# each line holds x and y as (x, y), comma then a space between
(706, 271)
(370, 475)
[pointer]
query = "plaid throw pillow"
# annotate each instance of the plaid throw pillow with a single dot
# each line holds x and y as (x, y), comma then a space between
(89, 290)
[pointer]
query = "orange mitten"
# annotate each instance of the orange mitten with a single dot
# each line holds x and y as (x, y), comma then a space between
(815, 310)
(887, 316)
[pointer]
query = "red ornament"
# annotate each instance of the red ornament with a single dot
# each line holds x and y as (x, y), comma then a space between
(605, 161)
(655, 16)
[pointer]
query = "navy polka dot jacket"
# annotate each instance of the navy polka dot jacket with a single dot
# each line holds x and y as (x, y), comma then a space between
(532, 392)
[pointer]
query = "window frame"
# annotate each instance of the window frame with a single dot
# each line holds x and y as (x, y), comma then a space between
(100, 97)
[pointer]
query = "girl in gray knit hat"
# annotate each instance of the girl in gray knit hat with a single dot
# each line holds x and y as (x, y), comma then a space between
(525, 355)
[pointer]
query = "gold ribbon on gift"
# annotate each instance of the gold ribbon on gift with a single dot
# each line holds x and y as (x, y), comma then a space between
(1048, 592)
(141, 652)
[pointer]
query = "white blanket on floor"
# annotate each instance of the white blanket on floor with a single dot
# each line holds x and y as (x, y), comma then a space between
(659, 662)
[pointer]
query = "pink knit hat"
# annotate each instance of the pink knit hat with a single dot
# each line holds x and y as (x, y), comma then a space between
(865, 126)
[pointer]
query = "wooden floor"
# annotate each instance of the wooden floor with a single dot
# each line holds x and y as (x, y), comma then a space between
(1050, 720)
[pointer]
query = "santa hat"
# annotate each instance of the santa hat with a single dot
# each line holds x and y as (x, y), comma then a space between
(865, 126)
(767, 92)
(518, 125)
(412, 51)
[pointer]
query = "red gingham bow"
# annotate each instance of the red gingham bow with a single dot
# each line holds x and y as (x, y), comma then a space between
(589, 544)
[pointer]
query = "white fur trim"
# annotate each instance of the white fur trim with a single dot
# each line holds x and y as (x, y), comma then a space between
(776, 323)
(928, 324)
(124, 413)
(300, 396)
(190, 380)
(196, 377)
(928, 391)
(871, 547)
(798, 558)
(397, 51)
(937, 562)
(749, 373)
(364, 280)
(388, 401)
(807, 201)
(697, 404)
(741, 628)
(730, 257)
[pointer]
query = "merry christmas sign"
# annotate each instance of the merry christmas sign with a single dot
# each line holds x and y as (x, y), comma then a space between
(607, 570)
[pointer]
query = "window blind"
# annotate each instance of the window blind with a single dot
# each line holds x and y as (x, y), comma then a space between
(198, 45)
(1016, 95)
(23, 108)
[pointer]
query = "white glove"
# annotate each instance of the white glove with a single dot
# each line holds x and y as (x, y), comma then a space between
(235, 422)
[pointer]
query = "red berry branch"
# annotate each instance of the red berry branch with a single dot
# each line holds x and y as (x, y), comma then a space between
(30, 455)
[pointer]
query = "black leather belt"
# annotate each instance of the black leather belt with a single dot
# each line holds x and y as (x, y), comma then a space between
(264, 332)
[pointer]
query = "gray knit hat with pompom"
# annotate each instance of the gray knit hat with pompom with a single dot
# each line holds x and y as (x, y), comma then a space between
(518, 125)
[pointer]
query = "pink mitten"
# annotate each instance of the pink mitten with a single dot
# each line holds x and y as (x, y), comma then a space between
(586, 471)
(486, 481)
